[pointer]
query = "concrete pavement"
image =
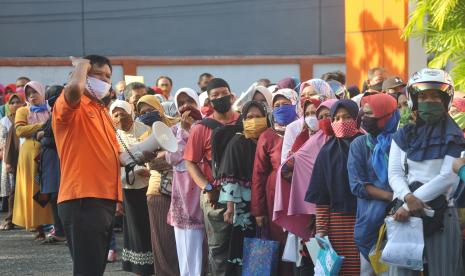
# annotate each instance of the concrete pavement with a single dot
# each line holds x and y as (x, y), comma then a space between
(21, 255)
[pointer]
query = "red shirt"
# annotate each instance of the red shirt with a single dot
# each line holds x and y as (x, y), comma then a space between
(199, 146)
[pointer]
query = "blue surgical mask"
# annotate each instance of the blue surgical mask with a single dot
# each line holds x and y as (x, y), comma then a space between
(149, 118)
(285, 114)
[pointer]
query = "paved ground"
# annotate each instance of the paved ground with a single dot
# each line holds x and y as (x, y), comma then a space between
(20, 255)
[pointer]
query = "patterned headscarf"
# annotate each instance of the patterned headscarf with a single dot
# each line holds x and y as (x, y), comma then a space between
(321, 87)
(287, 93)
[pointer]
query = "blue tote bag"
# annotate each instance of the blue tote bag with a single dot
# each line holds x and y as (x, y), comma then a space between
(260, 256)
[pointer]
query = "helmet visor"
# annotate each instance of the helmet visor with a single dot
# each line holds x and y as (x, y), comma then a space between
(424, 86)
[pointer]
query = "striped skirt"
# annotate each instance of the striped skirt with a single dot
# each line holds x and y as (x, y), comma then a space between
(340, 227)
(163, 240)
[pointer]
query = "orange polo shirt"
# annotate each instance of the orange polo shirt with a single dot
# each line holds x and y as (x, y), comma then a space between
(88, 150)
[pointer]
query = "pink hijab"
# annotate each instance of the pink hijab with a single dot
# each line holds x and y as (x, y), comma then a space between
(36, 117)
(291, 211)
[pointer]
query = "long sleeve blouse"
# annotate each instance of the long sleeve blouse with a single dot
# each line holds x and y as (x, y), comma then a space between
(436, 175)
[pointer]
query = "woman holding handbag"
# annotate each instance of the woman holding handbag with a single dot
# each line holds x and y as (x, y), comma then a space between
(329, 187)
(368, 171)
(266, 165)
(420, 171)
(235, 176)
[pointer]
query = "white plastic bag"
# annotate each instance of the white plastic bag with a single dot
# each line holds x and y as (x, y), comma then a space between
(313, 249)
(290, 249)
(405, 243)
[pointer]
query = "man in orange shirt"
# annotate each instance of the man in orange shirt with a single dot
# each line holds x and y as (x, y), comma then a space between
(90, 169)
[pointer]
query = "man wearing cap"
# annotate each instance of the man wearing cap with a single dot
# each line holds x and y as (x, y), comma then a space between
(394, 86)
(373, 84)
(198, 157)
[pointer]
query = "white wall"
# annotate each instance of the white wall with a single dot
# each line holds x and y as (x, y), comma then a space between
(320, 69)
(48, 75)
(239, 77)
(417, 58)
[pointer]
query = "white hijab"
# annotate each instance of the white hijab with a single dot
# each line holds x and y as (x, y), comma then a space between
(248, 95)
(189, 92)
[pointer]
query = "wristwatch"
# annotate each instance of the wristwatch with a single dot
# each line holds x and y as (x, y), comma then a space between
(208, 188)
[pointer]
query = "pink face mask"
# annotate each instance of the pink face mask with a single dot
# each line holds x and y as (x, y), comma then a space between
(345, 129)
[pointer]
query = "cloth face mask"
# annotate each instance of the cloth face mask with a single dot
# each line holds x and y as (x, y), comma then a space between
(254, 127)
(97, 87)
(312, 123)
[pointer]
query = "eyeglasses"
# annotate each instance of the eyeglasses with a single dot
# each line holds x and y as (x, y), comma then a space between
(164, 84)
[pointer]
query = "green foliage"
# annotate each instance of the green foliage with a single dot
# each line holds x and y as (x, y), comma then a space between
(441, 25)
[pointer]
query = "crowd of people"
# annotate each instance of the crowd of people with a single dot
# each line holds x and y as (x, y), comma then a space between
(286, 162)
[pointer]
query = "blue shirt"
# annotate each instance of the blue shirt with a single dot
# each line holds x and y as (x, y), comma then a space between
(370, 212)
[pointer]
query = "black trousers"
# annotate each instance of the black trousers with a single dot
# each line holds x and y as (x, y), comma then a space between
(88, 225)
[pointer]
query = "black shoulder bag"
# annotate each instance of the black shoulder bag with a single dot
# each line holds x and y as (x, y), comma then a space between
(433, 224)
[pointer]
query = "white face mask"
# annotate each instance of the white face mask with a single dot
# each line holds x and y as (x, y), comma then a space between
(312, 123)
(97, 87)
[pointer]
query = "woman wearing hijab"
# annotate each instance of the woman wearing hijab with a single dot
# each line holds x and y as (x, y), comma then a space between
(2, 95)
(8, 90)
(170, 109)
(49, 167)
(27, 212)
(158, 195)
(420, 170)
(7, 184)
(457, 112)
(368, 171)
(288, 83)
(314, 89)
(310, 125)
(254, 93)
(205, 107)
(266, 164)
(137, 254)
(291, 212)
(330, 191)
(185, 214)
(235, 176)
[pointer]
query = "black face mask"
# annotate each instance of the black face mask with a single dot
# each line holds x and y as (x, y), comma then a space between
(370, 125)
(395, 95)
(222, 105)
(377, 87)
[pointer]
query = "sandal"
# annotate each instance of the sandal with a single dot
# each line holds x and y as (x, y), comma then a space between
(39, 237)
(7, 225)
(53, 240)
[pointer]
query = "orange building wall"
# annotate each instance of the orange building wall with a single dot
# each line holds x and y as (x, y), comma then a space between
(372, 33)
